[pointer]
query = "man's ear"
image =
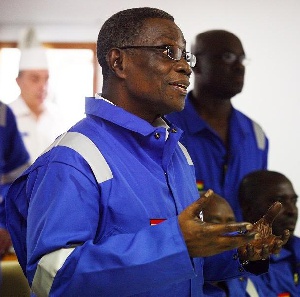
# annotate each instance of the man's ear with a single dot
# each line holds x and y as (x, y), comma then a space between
(115, 61)
(18, 80)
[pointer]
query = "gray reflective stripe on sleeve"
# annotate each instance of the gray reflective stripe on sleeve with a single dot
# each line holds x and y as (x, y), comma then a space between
(186, 154)
(260, 136)
(88, 150)
(47, 269)
(51, 263)
(2, 115)
(9, 177)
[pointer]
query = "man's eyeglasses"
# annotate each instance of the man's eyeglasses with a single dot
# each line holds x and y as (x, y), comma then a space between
(173, 52)
(230, 58)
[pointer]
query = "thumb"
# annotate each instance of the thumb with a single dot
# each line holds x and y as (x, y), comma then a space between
(195, 209)
(272, 212)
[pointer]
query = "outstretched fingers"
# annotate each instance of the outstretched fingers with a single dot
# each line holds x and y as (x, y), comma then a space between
(235, 229)
(205, 239)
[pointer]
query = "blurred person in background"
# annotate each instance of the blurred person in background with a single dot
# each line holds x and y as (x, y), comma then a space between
(13, 160)
(39, 120)
(224, 143)
(218, 211)
(258, 191)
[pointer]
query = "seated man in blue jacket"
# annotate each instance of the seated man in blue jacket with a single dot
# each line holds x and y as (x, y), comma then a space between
(258, 191)
(218, 211)
(112, 208)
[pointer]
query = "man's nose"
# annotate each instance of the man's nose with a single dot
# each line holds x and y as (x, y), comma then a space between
(290, 207)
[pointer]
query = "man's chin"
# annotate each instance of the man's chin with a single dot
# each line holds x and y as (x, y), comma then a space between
(281, 232)
(174, 108)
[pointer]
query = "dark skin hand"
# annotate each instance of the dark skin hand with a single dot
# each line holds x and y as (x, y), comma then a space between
(268, 243)
(207, 239)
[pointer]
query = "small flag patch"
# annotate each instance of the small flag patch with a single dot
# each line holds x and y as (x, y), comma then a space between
(156, 221)
(286, 294)
(200, 185)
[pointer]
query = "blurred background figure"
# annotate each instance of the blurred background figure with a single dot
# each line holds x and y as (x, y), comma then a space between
(224, 143)
(257, 192)
(13, 160)
(39, 120)
(218, 211)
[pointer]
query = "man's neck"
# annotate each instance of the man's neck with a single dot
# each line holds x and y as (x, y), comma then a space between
(212, 107)
(37, 110)
(215, 112)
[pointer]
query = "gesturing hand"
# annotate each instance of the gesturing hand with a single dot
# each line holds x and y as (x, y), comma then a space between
(206, 239)
(268, 243)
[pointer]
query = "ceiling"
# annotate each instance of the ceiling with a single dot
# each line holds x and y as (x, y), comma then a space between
(47, 12)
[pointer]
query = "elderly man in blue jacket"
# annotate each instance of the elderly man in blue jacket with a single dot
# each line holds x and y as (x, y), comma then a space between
(112, 208)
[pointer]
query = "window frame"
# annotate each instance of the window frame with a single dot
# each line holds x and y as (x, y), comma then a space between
(66, 45)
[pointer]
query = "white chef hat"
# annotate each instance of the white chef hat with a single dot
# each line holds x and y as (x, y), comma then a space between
(33, 56)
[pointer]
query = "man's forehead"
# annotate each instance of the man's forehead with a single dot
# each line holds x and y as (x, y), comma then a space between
(161, 30)
(38, 72)
(217, 43)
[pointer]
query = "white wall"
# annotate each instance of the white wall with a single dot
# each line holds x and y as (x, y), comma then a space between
(269, 30)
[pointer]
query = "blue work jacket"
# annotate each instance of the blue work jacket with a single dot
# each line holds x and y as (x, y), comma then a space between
(217, 167)
(88, 208)
(282, 278)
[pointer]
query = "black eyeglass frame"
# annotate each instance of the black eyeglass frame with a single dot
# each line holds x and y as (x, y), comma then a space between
(189, 57)
(229, 58)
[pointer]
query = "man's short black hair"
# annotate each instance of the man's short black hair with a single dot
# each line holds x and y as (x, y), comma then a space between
(256, 182)
(122, 29)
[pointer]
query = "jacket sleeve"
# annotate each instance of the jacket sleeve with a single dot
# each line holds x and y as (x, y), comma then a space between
(226, 266)
(65, 253)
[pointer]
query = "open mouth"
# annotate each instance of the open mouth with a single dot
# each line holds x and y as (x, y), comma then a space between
(291, 226)
(179, 86)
